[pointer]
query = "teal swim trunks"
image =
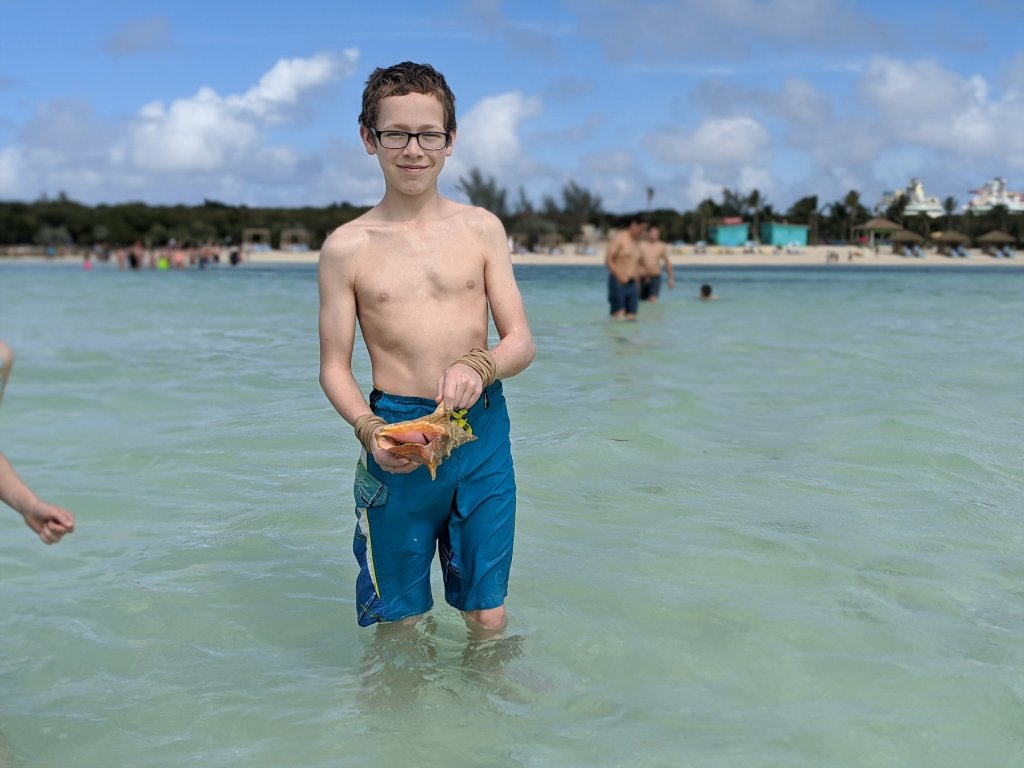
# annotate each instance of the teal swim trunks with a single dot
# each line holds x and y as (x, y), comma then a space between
(467, 515)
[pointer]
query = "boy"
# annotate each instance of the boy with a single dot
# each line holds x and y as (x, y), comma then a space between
(419, 272)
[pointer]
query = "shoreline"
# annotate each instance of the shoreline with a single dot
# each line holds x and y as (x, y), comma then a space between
(713, 256)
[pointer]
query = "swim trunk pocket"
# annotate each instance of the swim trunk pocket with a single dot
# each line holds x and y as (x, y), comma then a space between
(369, 492)
(367, 489)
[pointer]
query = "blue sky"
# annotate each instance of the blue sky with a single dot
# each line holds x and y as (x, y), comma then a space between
(256, 104)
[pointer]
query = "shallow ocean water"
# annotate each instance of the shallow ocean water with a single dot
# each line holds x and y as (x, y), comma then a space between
(780, 529)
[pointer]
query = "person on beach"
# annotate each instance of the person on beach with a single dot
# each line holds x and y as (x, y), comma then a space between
(706, 294)
(50, 522)
(653, 253)
(623, 261)
(420, 273)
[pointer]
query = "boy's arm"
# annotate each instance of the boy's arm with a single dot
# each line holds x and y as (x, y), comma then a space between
(337, 323)
(668, 268)
(6, 363)
(460, 385)
(337, 339)
(515, 349)
(49, 521)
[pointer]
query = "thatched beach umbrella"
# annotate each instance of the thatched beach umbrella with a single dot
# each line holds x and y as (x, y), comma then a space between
(902, 238)
(994, 238)
(879, 225)
(949, 238)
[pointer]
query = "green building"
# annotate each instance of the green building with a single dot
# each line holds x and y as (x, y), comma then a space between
(729, 233)
(776, 233)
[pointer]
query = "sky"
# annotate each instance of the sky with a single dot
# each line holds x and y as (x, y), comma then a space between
(640, 102)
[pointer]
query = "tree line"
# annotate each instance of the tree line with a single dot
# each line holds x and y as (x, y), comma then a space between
(63, 222)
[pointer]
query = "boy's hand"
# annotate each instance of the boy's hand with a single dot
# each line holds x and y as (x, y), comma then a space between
(49, 521)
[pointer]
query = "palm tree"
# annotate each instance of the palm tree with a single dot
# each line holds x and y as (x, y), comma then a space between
(1001, 216)
(484, 192)
(706, 210)
(755, 204)
(949, 206)
(896, 209)
(853, 207)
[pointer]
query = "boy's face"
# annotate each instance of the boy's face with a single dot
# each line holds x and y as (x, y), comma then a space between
(411, 170)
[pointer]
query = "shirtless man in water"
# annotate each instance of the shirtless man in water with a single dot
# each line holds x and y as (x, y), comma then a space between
(623, 261)
(422, 275)
(653, 253)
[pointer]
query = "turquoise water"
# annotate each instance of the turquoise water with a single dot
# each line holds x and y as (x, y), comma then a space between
(780, 529)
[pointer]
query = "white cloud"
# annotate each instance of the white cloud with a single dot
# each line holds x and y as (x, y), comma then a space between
(205, 145)
(923, 90)
(284, 87)
(12, 172)
(207, 131)
(699, 187)
(488, 135)
(729, 141)
(200, 133)
(926, 104)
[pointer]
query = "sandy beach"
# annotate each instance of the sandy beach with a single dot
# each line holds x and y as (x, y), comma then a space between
(687, 255)
(720, 257)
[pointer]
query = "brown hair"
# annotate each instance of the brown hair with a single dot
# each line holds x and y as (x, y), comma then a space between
(400, 79)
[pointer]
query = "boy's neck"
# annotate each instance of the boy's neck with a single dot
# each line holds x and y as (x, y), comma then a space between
(402, 208)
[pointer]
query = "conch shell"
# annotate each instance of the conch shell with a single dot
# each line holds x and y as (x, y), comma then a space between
(428, 440)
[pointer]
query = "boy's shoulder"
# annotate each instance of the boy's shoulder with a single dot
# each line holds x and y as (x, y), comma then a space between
(346, 237)
(477, 217)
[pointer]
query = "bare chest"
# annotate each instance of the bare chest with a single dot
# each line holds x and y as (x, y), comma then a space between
(419, 271)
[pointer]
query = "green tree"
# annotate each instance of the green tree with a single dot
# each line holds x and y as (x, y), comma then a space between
(949, 206)
(707, 211)
(896, 210)
(733, 203)
(484, 192)
(523, 206)
(580, 205)
(803, 210)
(754, 205)
(1001, 217)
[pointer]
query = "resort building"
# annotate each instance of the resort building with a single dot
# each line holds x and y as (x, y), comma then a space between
(992, 194)
(918, 202)
(729, 232)
(782, 234)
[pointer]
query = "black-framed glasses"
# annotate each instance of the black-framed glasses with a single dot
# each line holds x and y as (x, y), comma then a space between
(400, 139)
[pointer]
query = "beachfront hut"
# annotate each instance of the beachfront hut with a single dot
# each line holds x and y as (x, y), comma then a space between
(729, 233)
(878, 226)
(994, 241)
(255, 239)
(783, 234)
(902, 240)
(946, 241)
(295, 239)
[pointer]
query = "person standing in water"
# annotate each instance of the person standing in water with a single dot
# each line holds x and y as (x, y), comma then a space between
(422, 276)
(653, 253)
(623, 261)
